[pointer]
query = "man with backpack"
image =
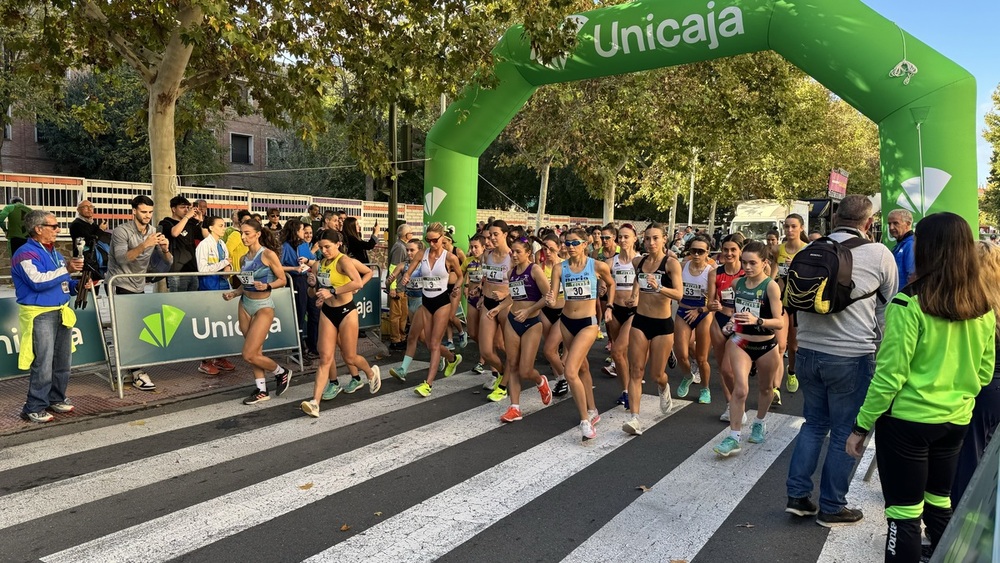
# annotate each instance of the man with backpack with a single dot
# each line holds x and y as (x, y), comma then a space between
(839, 328)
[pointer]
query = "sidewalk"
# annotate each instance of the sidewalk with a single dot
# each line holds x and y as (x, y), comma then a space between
(93, 396)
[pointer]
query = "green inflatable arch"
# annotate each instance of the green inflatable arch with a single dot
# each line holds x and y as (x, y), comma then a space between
(925, 119)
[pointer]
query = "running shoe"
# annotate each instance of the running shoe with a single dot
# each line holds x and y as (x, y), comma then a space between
(684, 387)
(449, 368)
(480, 368)
(282, 381)
(352, 385)
(609, 370)
(587, 431)
(497, 395)
(728, 446)
(594, 416)
(224, 364)
(424, 390)
(375, 381)
(257, 396)
(545, 391)
(623, 400)
(398, 373)
(463, 340)
(40, 416)
(776, 398)
(609, 360)
(757, 432)
(600, 335)
(632, 427)
(310, 408)
(208, 367)
(62, 408)
(562, 387)
(705, 397)
(513, 414)
(672, 361)
(666, 401)
(695, 372)
(331, 391)
(792, 383)
(493, 382)
(441, 364)
(725, 415)
(450, 345)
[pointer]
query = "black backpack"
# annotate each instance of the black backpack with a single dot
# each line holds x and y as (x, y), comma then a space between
(820, 277)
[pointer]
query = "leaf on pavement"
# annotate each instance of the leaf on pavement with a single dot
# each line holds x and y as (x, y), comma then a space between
(306, 487)
(378, 514)
(642, 488)
(344, 528)
(137, 423)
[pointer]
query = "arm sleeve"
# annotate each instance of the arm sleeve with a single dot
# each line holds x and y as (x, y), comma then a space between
(987, 364)
(892, 368)
(370, 243)
(202, 253)
(288, 255)
(119, 245)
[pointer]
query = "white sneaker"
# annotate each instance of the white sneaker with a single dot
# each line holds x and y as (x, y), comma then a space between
(141, 381)
(632, 427)
(587, 430)
(666, 401)
(310, 408)
(375, 381)
(695, 373)
(725, 415)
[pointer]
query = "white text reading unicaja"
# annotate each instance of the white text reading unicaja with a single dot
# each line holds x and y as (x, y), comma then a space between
(695, 28)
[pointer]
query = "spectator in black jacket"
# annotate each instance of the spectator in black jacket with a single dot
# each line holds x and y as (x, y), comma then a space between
(357, 248)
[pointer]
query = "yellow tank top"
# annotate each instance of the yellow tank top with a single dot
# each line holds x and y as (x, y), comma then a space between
(328, 275)
(784, 259)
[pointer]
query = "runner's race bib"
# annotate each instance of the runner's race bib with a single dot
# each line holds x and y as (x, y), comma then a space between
(432, 282)
(783, 270)
(624, 278)
(578, 289)
(727, 295)
(692, 290)
(518, 291)
(493, 273)
(246, 278)
(751, 305)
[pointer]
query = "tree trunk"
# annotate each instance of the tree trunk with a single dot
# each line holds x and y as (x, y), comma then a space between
(543, 192)
(369, 188)
(673, 220)
(609, 201)
(162, 146)
(711, 217)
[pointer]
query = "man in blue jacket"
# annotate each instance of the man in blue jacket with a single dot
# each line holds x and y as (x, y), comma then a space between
(901, 228)
(43, 288)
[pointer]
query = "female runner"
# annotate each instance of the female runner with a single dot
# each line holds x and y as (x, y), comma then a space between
(795, 240)
(414, 248)
(495, 288)
(256, 308)
(757, 317)
(551, 333)
(722, 305)
(577, 276)
(473, 273)
(694, 318)
(333, 281)
(454, 322)
(523, 330)
(442, 277)
(657, 281)
(623, 307)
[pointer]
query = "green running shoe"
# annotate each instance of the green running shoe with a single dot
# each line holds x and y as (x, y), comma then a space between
(424, 390)
(727, 447)
(757, 432)
(792, 383)
(684, 387)
(331, 391)
(449, 369)
(705, 398)
(398, 373)
(352, 385)
(498, 394)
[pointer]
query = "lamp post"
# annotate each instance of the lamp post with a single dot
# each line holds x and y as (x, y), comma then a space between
(919, 115)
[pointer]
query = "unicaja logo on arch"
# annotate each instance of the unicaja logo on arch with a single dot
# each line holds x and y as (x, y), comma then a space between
(649, 34)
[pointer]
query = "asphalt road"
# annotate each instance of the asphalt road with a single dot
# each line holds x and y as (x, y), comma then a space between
(394, 477)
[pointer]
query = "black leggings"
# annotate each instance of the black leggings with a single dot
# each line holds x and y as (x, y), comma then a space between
(916, 465)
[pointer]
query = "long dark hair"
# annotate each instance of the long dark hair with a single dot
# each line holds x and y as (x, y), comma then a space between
(802, 224)
(350, 228)
(290, 232)
(267, 238)
(948, 282)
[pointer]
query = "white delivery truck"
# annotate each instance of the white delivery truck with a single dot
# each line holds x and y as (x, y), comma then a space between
(754, 218)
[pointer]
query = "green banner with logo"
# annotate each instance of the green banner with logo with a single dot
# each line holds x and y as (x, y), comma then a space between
(87, 336)
(155, 328)
(926, 117)
(369, 303)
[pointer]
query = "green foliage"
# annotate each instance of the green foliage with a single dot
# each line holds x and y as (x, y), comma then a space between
(99, 130)
(989, 204)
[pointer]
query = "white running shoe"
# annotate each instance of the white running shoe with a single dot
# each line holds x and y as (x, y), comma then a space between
(695, 372)
(587, 430)
(666, 401)
(725, 415)
(632, 427)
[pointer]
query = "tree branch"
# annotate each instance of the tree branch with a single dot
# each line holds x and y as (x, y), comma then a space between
(124, 48)
(199, 79)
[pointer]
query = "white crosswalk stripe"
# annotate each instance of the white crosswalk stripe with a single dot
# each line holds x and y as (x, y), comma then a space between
(675, 519)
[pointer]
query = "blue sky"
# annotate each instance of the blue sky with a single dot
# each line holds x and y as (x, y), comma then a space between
(966, 31)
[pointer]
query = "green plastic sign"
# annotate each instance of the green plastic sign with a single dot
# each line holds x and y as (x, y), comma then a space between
(87, 335)
(155, 328)
(926, 117)
(369, 304)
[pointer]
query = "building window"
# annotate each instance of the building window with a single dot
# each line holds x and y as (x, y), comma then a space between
(240, 149)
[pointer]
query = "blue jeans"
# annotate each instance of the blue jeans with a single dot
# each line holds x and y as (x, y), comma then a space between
(49, 374)
(834, 387)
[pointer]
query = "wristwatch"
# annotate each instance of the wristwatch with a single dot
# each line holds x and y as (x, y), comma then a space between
(760, 321)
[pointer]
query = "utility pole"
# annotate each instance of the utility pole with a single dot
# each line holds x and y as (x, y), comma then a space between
(394, 178)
